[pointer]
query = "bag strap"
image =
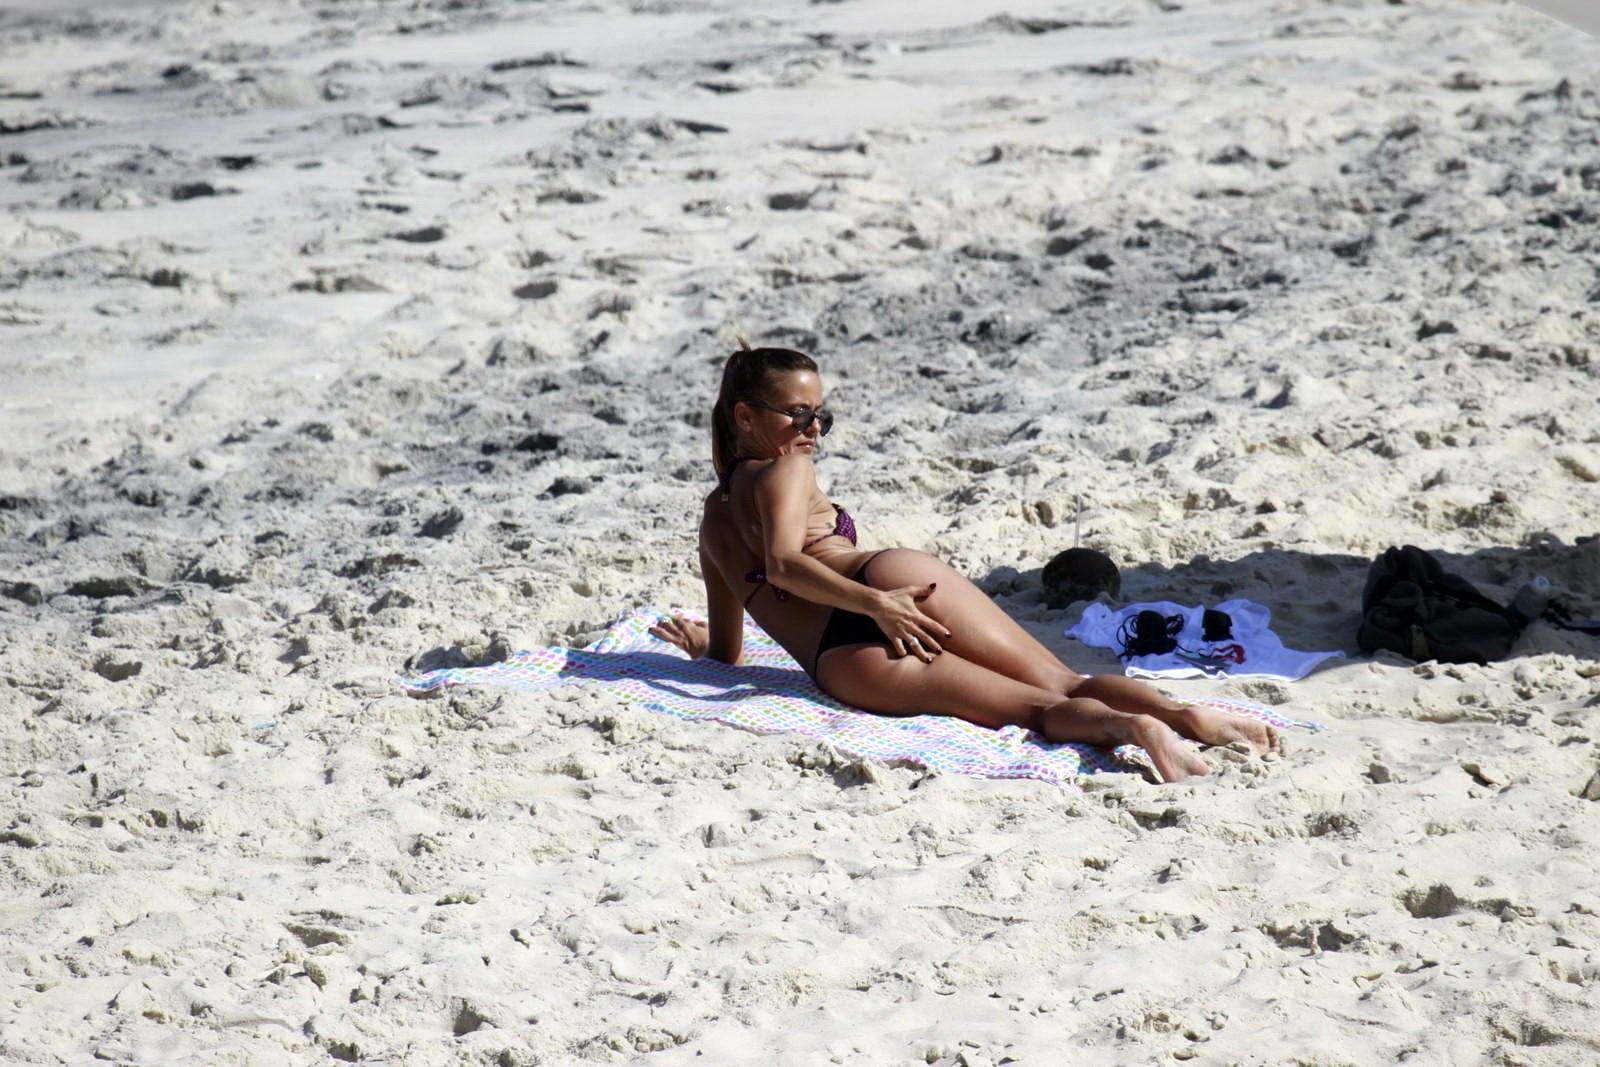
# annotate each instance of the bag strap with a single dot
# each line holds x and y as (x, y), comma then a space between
(1556, 614)
(1419, 644)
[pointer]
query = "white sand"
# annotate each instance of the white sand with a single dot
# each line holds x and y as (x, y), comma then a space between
(1243, 292)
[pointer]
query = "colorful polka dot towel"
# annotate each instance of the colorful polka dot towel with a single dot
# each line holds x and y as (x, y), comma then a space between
(770, 694)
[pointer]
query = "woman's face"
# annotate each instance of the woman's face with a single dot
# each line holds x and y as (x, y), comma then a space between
(772, 433)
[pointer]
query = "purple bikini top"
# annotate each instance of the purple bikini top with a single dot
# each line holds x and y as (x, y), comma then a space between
(844, 526)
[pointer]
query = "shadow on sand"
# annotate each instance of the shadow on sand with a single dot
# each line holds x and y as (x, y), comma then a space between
(1315, 598)
(664, 672)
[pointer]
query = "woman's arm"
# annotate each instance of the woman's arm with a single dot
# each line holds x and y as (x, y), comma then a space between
(783, 503)
(724, 612)
(723, 639)
(783, 500)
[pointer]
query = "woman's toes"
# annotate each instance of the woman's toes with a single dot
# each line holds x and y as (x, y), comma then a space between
(1173, 757)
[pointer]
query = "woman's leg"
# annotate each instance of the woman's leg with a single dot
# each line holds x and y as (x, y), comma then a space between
(990, 638)
(981, 632)
(867, 677)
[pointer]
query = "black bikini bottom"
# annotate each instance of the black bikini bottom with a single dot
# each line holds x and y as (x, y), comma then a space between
(850, 627)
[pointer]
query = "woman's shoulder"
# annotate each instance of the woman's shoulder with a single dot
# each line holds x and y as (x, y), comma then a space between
(795, 467)
(788, 473)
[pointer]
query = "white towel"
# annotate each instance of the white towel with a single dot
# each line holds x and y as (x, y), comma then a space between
(1250, 651)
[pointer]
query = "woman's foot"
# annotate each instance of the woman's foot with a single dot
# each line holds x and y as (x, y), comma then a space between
(1175, 759)
(1211, 727)
(1205, 725)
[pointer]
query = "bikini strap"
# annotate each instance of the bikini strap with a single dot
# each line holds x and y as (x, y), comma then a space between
(727, 476)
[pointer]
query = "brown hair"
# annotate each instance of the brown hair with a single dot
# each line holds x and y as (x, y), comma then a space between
(746, 376)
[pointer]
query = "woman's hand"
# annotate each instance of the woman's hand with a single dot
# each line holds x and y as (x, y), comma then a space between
(693, 637)
(909, 630)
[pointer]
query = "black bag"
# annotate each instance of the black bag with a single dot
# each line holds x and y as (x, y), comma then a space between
(1413, 606)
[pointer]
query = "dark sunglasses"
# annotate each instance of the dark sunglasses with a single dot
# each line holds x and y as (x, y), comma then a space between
(802, 417)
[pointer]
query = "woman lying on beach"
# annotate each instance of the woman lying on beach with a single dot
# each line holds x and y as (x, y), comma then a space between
(893, 631)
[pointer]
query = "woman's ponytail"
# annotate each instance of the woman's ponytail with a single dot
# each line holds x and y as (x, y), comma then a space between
(722, 438)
